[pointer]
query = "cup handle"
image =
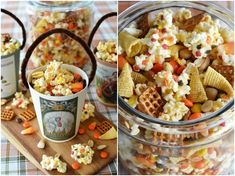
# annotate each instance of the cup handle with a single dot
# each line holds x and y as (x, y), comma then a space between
(98, 25)
(45, 35)
(20, 23)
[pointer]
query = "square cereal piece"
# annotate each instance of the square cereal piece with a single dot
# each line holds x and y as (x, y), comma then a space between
(27, 115)
(104, 127)
(7, 114)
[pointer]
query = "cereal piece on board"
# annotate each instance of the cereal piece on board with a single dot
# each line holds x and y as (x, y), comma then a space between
(7, 114)
(104, 127)
(27, 115)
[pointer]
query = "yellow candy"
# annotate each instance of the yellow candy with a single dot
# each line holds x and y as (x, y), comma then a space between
(133, 100)
(41, 29)
(196, 108)
(202, 152)
(57, 41)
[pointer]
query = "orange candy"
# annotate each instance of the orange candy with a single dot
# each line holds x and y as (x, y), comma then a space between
(180, 69)
(26, 124)
(174, 64)
(81, 130)
(77, 87)
(72, 25)
(29, 130)
(157, 67)
(92, 126)
(76, 165)
(195, 116)
(96, 135)
(188, 102)
(76, 76)
(104, 154)
(121, 62)
(200, 164)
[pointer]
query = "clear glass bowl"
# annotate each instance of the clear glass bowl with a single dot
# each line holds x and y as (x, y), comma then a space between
(75, 16)
(149, 145)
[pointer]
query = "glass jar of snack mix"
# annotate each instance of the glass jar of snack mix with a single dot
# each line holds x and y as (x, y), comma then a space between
(154, 146)
(75, 16)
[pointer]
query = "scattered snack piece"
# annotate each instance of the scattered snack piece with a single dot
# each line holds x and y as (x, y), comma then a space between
(92, 126)
(90, 143)
(7, 114)
(151, 102)
(27, 115)
(41, 144)
(104, 127)
(110, 134)
(76, 165)
(125, 82)
(88, 111)
(26, 124)
(104, 154)
(19, 120)
(29, 130)
(197, 92)
(96, 135)
(101, 147)
(81, 130)
(82, 153)
(227, 71)
(20, 101)
(50, 163)
(214, 79)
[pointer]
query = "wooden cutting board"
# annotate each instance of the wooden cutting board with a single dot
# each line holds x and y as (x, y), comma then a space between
(27, 145)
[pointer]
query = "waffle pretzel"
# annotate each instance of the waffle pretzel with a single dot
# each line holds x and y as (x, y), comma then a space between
(226, 70)
(151, 102)
(104, 127)
(7, 114)
(38, 74)
(27, 115)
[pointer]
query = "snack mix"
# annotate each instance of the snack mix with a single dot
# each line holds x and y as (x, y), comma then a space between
(56, 81)
(8, 44)
(59, 46)
(82, 153)
(106, 51)
(50, 163)
(180, 69)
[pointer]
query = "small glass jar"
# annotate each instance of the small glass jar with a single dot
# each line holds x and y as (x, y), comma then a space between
(76, 16)
(152, 146)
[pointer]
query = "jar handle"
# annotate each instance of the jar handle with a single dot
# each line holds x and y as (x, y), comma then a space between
(98, 25)
(45, 35)
(20, 23)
